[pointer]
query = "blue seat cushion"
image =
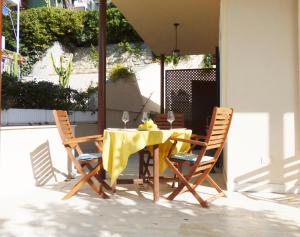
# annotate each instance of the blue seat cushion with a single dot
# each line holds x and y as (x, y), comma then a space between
(181, 156)
(89, 156)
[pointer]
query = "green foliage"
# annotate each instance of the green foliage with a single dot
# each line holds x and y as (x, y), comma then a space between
(40, 95)
(15, 65)
(40, 27)
(207, 61)
(94, 55)
(171, 59)
(63, 70)
(118, 28)
(119, 72)
(132, 49)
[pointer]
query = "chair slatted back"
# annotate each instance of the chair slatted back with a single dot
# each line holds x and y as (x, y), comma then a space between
(219, 127)
(162, 123)
(64, 127)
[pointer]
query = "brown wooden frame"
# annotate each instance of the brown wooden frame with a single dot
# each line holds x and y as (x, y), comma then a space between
(71, 144)
(161, 121)
(215, 140)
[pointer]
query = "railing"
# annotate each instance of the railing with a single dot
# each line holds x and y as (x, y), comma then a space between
(13, 117)
(40, 116)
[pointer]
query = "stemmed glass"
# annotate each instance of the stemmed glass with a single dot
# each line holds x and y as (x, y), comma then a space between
(170, 118)
(125, 118)
(144, 117)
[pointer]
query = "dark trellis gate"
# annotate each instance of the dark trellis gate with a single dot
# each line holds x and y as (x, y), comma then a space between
(193, 92)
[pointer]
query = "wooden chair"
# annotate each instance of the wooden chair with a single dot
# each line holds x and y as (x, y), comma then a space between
(161, 121)
(200, 164)
(89, 165)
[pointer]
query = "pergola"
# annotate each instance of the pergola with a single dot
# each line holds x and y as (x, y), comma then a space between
(198, 33)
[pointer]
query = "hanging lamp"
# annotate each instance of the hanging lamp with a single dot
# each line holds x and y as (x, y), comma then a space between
(176, 51)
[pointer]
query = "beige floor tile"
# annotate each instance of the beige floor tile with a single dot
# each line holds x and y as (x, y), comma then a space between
(40, 212)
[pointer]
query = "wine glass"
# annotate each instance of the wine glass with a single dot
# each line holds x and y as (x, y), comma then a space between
(144, 117)
(170, 118)
(125, 118)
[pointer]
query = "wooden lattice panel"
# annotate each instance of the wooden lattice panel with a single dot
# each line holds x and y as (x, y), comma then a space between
(179, 88)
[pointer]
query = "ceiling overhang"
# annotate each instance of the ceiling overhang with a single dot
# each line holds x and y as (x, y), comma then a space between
(154, 20)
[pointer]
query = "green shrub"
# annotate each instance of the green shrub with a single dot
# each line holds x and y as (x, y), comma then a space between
(94, 55)
(63, 70)
(132, 49)
(207, 61)
(171, 59)
(40, 95)
(40, 27)
(119, 72)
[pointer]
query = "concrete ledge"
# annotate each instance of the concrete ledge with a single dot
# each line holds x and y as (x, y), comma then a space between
(265, 188)
(16, 146)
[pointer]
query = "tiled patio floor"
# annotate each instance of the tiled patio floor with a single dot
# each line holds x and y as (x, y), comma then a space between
(40, 212)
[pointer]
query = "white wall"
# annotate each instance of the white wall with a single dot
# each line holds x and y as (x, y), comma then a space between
(16, 144)
(42, 116)
(259, 79)
(85, 73)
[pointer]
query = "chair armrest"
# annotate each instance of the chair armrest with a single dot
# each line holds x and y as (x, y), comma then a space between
(198, 137)
(84, 139)
(194, 142)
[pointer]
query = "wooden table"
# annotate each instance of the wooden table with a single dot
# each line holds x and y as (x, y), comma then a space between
(119, 144)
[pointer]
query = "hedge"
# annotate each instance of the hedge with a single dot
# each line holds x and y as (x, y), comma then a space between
(40, 27)
(40, 95)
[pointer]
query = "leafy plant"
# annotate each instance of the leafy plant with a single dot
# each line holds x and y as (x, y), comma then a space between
(41, 27)
(119, 72)
(15, 65)
(171, 59)
(207, 61)
(63, 70)
(132, 49)
(94, 55)
(40, 95)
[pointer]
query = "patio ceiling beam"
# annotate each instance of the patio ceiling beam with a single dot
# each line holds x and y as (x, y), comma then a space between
(198, 32)
(102, 67)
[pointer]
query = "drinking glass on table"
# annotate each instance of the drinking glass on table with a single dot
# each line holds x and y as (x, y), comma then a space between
(145, 117)
(125, 118)
(170, 118)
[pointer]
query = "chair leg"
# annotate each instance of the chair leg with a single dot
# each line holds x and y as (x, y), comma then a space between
(180, 185)
(81, 182)
(146, 168)
(99, 189)
(175, 177)
(184, 183)
(141, 165)
(114, 187)
(87, 179)
(215, 185)
(200, 179)
(99, 177)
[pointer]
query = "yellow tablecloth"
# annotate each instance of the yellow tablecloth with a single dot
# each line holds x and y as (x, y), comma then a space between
(119, 144)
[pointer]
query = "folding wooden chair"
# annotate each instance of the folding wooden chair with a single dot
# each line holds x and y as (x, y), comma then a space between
(201, 165)
(89, 165)
(161, 121)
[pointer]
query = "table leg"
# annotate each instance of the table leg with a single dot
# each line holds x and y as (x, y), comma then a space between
(156, 173)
